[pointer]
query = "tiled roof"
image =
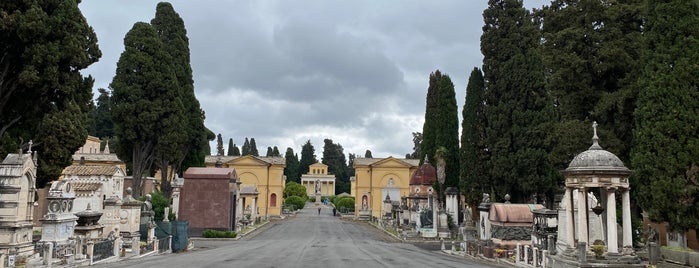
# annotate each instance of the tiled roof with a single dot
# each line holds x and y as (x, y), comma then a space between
(97, 157)
(211, 159)
(90, 170)
(85, 186)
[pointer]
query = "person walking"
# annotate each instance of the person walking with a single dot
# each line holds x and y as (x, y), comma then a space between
(318, 210)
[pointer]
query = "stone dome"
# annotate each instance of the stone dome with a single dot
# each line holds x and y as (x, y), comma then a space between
(426, 174)
(596, 160)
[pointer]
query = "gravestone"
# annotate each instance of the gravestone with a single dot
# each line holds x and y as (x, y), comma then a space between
(17, 184)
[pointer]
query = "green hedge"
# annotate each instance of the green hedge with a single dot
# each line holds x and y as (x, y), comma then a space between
(345, 202)
(298, 202)
(219, 234)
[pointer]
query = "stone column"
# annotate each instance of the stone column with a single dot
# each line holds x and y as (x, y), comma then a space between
(612, 239)
(626, 219)
(582, 216)
(570, 221)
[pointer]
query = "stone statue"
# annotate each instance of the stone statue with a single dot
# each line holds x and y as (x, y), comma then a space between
(147, 205)
(317, 186)
(486, 198)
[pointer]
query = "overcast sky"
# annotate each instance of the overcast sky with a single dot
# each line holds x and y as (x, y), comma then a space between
(284, 72)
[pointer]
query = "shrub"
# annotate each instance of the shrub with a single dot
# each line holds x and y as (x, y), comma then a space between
(293, 188)
(298, 202)
(219, 234)
(311, 199)
(345, 202)
(159, 202)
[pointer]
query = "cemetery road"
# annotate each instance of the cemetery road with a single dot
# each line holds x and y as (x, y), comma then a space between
(305, 240)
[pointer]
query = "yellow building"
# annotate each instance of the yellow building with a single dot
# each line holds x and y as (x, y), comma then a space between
(263, 174)
(319, 180)
(376, 178)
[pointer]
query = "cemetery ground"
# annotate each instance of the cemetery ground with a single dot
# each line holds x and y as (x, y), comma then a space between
(307, 239)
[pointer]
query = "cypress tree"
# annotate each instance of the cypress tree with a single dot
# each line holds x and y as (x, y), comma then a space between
(334, 157)
(291, 170)
(230, 146)
(367, 154)
(269, 153)
(518, 109)
(141, 98)
(441, 127)
(235, 151)
(253, 147)
(246, 147)
(666, 148)
(474, 152)
(190, 147)
(308, 157)
(219, 145)
(275, 152)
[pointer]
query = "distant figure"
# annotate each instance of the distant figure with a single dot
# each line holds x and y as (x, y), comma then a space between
(318, 210)
(334, 212)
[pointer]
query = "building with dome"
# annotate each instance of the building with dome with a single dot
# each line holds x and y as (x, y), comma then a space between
(421, 183)
(595, 171)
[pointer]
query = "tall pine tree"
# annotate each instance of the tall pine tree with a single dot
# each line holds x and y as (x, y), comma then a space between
(334, 157)
(518, 108)
(308, 157)
(291, 170)
(230, 147)
(441, 127)
(253, 147)
(246, 147)
(141, 97)
(474, 151)
(665, 156)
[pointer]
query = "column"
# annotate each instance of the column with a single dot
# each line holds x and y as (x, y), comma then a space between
(626, 219)
(570, 221)
(612, 239)
(582, 215)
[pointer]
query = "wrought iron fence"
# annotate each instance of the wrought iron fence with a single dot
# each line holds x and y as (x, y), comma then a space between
(61, 250)
(102, 250)
(150, 246)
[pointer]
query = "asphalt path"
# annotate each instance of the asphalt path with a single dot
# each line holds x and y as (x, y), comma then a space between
(307, 239)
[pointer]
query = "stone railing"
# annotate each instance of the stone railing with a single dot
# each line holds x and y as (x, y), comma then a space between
(529, 256)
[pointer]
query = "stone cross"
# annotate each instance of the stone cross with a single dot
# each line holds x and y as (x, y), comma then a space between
(30, 146)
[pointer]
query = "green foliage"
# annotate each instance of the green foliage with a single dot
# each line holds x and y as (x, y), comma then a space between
(334, 157)
(345, 202)
(230, 147)
(297, 201)
(441, 127)
(219, 145)
(269, 152)
(219, 234)
(308, 157)
(367, 154)
(246, 147)
(291, 170)
(473, 153)
(592, 63)
(44, 45)
(236, 151)
(145, 104)
(666, 146)
(518, 108)
(159, 202)
(295, 189)
(253, 147)
(101, 125)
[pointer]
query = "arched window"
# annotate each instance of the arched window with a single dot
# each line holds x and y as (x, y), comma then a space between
(273, 200)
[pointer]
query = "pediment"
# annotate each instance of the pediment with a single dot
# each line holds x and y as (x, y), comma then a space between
(247, 160)
(390, 162)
